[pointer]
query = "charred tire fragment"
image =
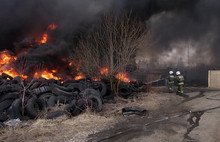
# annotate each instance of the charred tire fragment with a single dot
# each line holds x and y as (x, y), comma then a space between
(35, 106)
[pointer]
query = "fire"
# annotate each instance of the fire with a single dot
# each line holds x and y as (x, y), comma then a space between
(44, 38)
(79, 76)
(6, 61)
(46, 74)
(104, 71)
(13, 73)
(123, 77)
(70, 64)
(6, 58)
(96, 79)
(45, 35)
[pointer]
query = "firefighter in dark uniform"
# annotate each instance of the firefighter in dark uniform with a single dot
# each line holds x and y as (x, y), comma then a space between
(170, 81)
(179, 79)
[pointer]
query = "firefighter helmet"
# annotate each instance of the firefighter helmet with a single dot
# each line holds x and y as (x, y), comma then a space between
(178, 73)
(170, 72)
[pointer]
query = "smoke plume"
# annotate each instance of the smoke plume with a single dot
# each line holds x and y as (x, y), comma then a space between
(181, 30)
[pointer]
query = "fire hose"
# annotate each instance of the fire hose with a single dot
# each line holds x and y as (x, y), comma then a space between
(157, 121)
(150, 82)
(213, 97)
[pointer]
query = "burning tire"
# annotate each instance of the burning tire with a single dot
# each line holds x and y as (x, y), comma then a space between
(35, 106)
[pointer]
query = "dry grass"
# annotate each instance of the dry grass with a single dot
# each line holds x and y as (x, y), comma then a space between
(78, 128)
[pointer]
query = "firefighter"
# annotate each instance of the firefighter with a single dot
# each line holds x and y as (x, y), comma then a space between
(179, 79)
(170, 81)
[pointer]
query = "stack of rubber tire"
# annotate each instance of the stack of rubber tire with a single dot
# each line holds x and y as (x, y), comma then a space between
(39, 98)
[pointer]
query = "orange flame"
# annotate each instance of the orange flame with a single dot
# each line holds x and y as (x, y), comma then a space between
(5, 64)
(45, 35)
(79, 76)
(123, 77)
(70, 64)
(46, 74)
(6, 58)
(13, 73)
(96, 79)
(44, 38)
(104, 71)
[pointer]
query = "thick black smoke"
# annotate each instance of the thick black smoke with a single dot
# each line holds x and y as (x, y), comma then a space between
(19, 19)
(186, 25)
(174, 24)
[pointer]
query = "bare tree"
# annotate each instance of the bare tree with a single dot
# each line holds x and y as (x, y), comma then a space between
(113, 44)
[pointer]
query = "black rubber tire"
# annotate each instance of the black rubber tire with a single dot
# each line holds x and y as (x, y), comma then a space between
(56, 114)
(71, 108)
(61, 87)
(95, 103)
(53, 100)
(41, 90)
(15, 108)
(5, 104)
(35, 106)
(76, 87)
(46, 96)
(80, 106)
(90, 92)
(35, 85)
(101, 86)
(124, 92)
(60, 92)
(13, 95)
(3, 117)
(68, 82)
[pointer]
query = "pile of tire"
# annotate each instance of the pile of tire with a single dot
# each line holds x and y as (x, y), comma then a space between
(40, 97)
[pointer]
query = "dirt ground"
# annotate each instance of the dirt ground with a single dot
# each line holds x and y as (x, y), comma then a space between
(161, 125)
